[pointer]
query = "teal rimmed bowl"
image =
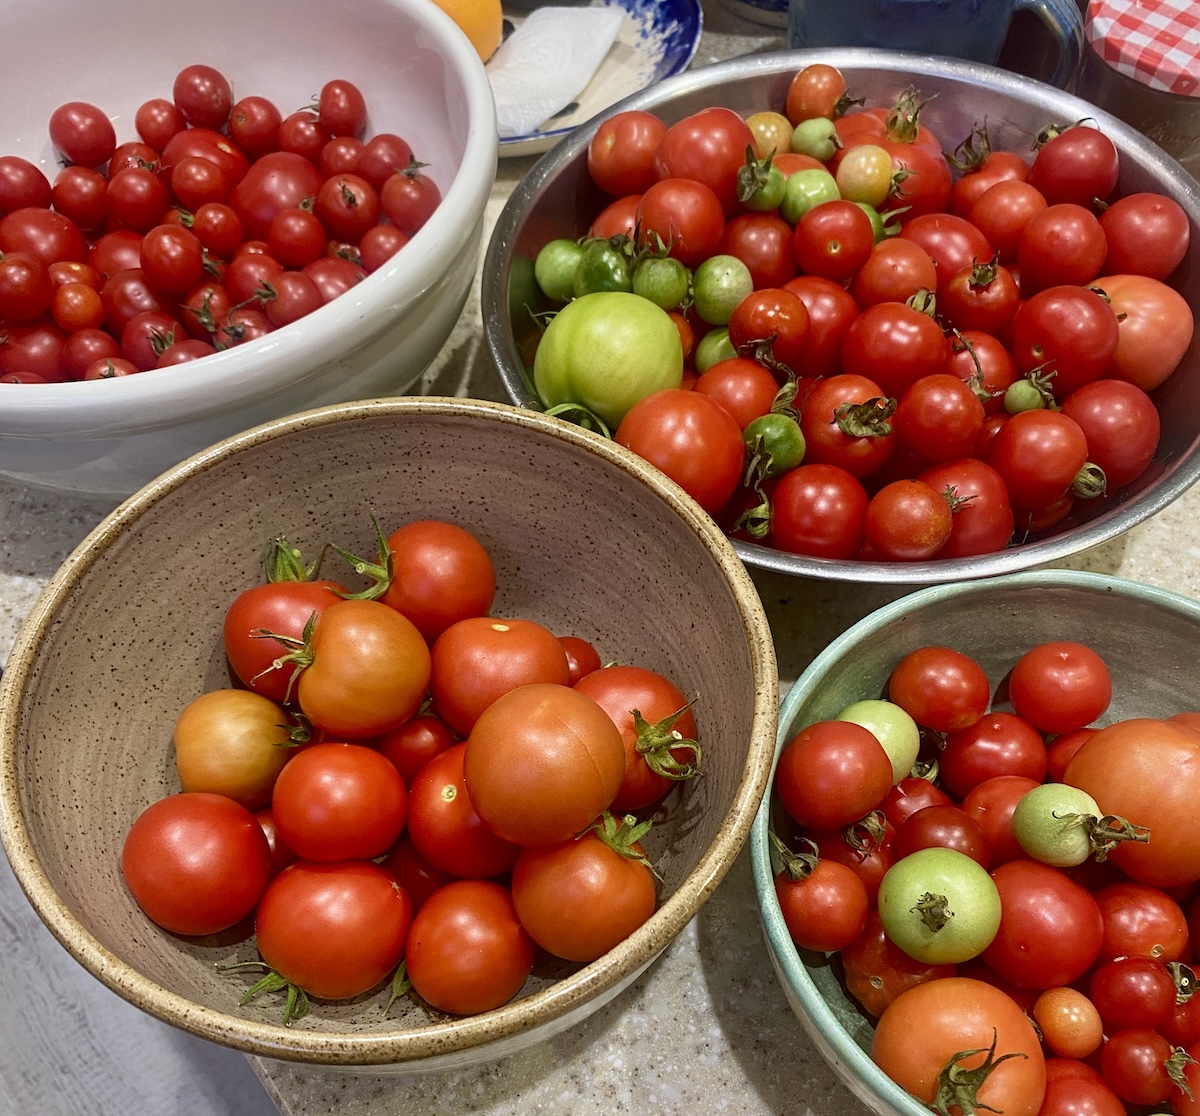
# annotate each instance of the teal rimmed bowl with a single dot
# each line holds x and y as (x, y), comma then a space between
(1148, 637)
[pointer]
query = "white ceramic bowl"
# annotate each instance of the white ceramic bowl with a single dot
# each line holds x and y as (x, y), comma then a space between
(585, 537)
(1147, 636)
(421, 79)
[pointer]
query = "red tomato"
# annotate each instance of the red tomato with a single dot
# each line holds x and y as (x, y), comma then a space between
(580, 898)
(845, 421)
(339, 802)
(1122, 427)
(467, 951)
(542, 762)
(42, 233)
(82, 133)
(685, 215)
(952, 242)
(196, 863)
(1078, 165)
(1039, 454)
(742, 386)
(763, 242)
(621, 153)
(939, 417)
(334, 930)
(1050, 927)
(982, 522)
(207, 144)
(441, 574)
(657, 727)
(815, 90)
(819, 510)
(1145, 234)
(22, 184)
(1145, 771)
(981, 175)
(824, 905)
(1141, 921)
(1062, 245)
(1060, 686)
(411, 746)
(445, 827)
(708, 146)
(775, 316)
(999, 743)
(1155, 326)
(832, 773)
(478, 659)
(895, 344)
(692, 439)
(582, 657)
(831, 309)
(413, 872)
(941, 688)
(833, 240)
(907, 521)
(1069, 331)
(368, 673)
(967, 1021)
(895, 271)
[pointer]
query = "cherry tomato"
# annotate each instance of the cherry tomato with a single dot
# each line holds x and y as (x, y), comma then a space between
(196, 863)
(82, 133)
(832, 773)
(621, 152)
(708, 146)
(1078, 165)
(1145, 234)
(941, 688)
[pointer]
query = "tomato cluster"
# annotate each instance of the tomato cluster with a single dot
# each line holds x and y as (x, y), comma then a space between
(221, 222)
(982, 862)
(884, 352)
(395, 774)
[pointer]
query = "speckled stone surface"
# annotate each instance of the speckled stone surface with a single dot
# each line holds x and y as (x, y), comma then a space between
(705, 1029)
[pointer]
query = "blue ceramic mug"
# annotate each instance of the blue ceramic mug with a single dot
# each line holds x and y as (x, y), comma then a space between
(970, 29)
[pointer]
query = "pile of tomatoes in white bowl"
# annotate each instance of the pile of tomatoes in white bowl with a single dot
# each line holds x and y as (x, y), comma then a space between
(849, 338)
(222, 221)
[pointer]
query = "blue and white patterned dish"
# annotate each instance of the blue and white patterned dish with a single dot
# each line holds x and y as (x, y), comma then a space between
(657, 40)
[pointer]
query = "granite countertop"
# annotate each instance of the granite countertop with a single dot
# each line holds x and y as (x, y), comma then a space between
(705, 1029)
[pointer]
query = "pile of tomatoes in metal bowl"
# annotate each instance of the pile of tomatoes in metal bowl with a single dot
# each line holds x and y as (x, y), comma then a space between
(221, 222)
(846, 343)
(400, 791)
(1010, 891)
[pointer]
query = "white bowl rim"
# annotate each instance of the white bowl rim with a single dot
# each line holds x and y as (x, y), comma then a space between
(159, 398)
(331, 1047)
(853, 1061)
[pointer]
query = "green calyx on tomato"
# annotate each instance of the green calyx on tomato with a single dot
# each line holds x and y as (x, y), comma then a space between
(958, 1087)
(657, 743)
(866, 420)
(606, 351)
(971, 153)
(624, 836)
(1090, 482)
(904, 117)
(283, 562)
(295, 1006)
(761, 184)
(797, 865)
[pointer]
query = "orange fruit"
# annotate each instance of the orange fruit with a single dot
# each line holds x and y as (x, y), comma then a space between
(481, 21)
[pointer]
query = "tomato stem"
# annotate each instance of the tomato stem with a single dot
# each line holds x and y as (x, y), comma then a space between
(657, 744)
(958, 1088)
(797, 865)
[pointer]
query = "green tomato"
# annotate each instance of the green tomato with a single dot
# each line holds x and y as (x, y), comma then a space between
(605, 351)
(769, 193)
(782, 440)
(893, 728)
(663, 280)
(939, 906)
(718, 285)
(816, 137)
(803, 190)
(602, 267)
(1052, 824)
(713, 348)
(554, 268)
(1023, 395)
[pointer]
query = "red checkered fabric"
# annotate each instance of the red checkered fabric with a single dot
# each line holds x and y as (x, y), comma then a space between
(1156, 42)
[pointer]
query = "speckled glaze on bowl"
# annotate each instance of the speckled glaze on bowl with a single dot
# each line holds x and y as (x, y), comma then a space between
(1147, 636)
(585, 537)
(420, 77)
(558, 199)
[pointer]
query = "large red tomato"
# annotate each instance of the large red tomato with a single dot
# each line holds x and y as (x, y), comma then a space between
(960, 1019)
(1147, 771)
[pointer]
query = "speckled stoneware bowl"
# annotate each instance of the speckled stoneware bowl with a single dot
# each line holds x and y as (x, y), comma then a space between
(557, 198)
(1147, 636)
(585, 538)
